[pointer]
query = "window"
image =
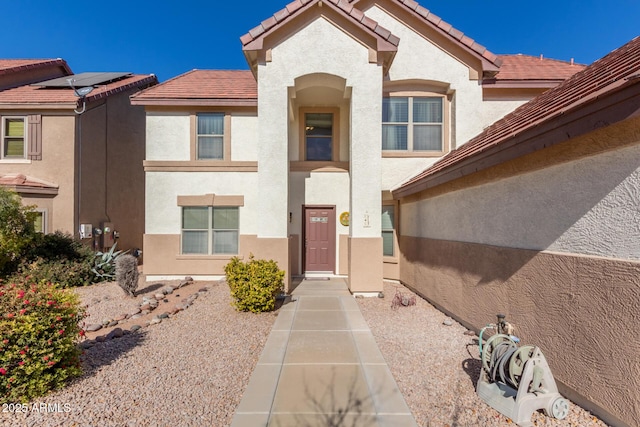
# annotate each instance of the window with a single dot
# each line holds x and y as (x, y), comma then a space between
(412, 124)
(388, 230)
(210, 230)
(13, 138)
(318, 135)
(210, 136)
(40, 221)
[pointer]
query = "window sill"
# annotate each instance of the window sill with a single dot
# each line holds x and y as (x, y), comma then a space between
(199, 166)
(390, 259)
(15, 161)
(405, 154)
(195, 257)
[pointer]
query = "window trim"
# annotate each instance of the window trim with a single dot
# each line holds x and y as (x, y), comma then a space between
(25, 137)
(45, 219)
(226, 136)
(210, 231)
(446, 124)
(335, 137)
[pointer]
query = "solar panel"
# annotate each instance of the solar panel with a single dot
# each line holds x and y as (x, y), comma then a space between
(83, 80)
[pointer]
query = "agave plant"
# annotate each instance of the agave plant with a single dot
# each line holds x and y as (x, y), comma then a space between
(104, 264)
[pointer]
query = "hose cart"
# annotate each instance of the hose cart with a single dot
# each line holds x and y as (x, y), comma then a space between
(516, 380)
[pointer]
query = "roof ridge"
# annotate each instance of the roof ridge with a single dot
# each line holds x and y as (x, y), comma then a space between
(544, 58)
(296, 6)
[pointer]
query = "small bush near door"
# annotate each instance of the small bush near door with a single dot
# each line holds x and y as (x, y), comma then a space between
(254, 284)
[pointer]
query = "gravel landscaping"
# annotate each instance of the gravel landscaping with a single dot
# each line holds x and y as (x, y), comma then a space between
(191, 368)
(436, 366)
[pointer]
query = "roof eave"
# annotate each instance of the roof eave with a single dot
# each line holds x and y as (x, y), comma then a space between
(520, 84)
(612, 107)
(198, 102)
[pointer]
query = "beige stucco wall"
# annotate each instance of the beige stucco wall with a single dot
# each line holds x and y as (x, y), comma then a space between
(244, 136)
(168, 136)
(57, 166)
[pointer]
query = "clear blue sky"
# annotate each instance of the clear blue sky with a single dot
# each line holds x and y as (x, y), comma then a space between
(170, 37)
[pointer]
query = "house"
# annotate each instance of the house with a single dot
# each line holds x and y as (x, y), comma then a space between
(538, 217)
(74, 154)
(295, 158)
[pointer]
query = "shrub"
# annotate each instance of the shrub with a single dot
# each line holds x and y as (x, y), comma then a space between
(39, 327)
(255, 284)
(127, 273)
(16, 230)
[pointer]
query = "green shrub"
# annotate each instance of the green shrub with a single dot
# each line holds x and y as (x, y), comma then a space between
(39, 327)
(16, 230)
(255, 284)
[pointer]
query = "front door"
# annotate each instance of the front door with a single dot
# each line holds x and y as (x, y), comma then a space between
(320, 239)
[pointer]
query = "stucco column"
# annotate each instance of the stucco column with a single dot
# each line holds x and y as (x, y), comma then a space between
(365, 238)
(273, 168)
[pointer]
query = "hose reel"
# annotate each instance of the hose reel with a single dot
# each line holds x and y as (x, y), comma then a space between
(517, 381)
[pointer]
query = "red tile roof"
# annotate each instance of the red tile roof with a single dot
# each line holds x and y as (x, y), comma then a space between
(525, 67)
(215, 87)
(296, 6)
(618, 69)
(8, 66)
(24, 183)
(27, 94)
(448, 30)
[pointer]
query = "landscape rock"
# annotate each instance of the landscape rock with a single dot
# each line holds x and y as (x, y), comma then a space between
(121, 317)
(166, 290)
(447, 322)
(155, 320)
(112, 324)
(135, 328)
(101, 338)
(93, 328)
(116, 333)
(163, 316)
(159, 296)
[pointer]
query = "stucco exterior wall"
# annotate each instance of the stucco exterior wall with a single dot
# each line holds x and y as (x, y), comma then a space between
(396, 170)
(168, 136)
(244, 137)
(57, 166)
(587, 206)
(420, 58)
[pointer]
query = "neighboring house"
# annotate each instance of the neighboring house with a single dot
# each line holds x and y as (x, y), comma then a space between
(77, 160)
(538, 217)
(343, 101)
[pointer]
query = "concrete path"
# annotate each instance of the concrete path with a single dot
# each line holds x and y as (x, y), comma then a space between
(321, 367)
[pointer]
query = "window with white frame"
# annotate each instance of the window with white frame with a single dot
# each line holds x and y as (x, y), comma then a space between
(412, 123)
(40, 221)
(388, 230)
(208, 230)
(210, 136)
(14, 138)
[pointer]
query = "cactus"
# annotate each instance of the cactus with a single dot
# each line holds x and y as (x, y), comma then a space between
(127, 273)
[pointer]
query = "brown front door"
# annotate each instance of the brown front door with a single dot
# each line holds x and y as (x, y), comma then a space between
(320, 239)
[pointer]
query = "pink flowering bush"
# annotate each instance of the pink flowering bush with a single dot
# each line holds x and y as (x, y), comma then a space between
(39, 328)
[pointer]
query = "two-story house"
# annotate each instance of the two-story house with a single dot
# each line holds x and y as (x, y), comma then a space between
(295, 158)
(75, 153)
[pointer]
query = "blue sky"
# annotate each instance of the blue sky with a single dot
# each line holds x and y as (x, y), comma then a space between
(168, 38)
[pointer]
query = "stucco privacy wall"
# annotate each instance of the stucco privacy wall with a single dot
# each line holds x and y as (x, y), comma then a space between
(419, 58)
(588, 206)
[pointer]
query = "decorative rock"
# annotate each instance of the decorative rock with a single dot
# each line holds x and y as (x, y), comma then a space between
(470, 333)
(101, 338)
(135, 328)
(116, 333)
(163, 316)
(87, 344)
(165, 300)
(203, 290)
(136, 316)
(105, 322)
(159, 296)
(112, 324)
(183, 283)
(447, 322)
(93, 328)
(144, 307)
(182, 306)
(121, 317)
(145, 312)
(167, 290)
(188, 279)
(155, 321)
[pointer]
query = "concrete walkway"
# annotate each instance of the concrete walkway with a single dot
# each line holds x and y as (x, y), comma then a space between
(321, 367)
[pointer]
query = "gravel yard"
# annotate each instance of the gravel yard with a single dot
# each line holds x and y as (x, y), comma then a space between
(191, 369)
(437, 366)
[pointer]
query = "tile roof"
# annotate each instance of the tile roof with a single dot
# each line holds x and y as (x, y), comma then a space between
(526, 67)
(27, 94)
(217, 86)
(616, 70)
(448, 30)
(8, 66)
(296, 6)
(23, 183)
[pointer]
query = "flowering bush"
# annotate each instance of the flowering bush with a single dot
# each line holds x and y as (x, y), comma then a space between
(39, 327)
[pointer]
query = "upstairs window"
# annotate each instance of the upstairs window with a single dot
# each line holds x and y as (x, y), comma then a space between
(210, 230)
(210, 136)
(318, 135)
(13, 138)
(412, 124)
